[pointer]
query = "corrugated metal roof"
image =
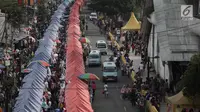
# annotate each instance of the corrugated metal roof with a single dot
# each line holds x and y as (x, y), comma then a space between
(176, 41)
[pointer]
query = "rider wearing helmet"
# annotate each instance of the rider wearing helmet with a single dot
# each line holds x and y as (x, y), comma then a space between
(111, 58)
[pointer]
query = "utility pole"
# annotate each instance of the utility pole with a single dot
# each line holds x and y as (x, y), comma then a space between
(148, 67)
(153, 43)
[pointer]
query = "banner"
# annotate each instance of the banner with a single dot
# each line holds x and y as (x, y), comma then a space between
(29, 2)
(19, 2)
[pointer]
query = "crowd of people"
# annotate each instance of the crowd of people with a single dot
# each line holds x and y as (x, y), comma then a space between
(55, 83)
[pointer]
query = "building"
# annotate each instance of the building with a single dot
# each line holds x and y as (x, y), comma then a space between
(175, 40)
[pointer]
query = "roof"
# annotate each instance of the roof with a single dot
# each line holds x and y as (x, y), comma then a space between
(132, 23)
(93, 13)
(180, 99)
(109, 64)
(95, 52)
(175, 38)
(101, 41)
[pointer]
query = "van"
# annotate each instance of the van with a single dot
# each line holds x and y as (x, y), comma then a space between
(102, 46)
(109, 71)
(94, 58)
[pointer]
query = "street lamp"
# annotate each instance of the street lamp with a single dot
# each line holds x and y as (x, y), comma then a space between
(148, 62)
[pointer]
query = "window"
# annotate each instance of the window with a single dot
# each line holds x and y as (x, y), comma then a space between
(196, 7)
(93, 56)
(110, 69)
(101, 45)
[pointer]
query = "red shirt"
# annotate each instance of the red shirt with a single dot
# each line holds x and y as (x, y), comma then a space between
(94, 86)
(133, 46)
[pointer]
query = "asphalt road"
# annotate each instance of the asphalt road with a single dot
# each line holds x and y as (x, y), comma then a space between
(113, 102)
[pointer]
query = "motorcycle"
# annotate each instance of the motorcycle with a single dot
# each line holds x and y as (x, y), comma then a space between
(106, 93)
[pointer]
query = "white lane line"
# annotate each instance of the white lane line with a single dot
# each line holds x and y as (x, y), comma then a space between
(120, 97)
(124, 108)
(117, 87)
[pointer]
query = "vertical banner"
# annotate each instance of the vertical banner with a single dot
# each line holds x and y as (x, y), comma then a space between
(19, 2)
(29, 2)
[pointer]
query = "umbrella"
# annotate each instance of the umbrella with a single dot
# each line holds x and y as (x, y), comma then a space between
(57, 41)
(43, 63)
(84, 40)
(89, 76)
(2, 66)
(28, 70)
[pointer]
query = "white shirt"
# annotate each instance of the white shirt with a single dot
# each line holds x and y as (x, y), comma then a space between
(105, 87)
(141, 66)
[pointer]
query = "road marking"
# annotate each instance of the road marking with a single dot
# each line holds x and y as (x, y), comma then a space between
(121, 97)
(117, 87)
(124, 108)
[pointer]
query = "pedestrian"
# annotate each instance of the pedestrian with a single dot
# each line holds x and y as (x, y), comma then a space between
(133, 47)
(86, 27)
(93, 88)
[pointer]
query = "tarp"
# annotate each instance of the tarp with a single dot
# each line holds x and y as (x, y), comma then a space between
(180, 99)
(132, 23)
(78, 94)
(77, 98)
(31, 93)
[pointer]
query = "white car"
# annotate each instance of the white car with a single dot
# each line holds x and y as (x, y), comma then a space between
(102, 46)
(93, 15)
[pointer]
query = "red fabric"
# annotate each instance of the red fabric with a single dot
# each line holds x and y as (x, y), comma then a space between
(77, 97)
(19, 2)
(94, 86)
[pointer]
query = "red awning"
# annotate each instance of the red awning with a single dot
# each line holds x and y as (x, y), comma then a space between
(77, 98)
(78, 95)
(72, 27)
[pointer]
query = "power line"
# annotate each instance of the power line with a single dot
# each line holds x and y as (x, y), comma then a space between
(98, 88)
(176, 29)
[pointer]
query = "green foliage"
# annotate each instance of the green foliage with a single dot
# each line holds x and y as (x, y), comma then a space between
(112, 7)
(190, 81)
(42, 12)
(13, 12)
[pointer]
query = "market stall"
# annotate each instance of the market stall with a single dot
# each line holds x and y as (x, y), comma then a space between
(77, 99)
(132, 24)
(30, 99)
(177, 102)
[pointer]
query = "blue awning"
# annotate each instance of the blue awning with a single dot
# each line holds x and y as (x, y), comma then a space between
(31, 93)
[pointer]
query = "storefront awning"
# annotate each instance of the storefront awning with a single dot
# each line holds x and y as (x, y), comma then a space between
(180, 99)
(132, 23)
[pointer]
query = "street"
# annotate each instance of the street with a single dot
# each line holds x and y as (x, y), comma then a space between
(114, 102)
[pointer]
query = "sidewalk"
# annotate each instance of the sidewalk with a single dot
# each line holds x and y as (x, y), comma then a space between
(163, 106)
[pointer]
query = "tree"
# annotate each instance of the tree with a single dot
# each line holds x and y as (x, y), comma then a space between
(112, 7)
(190, 81)
(43, 17)
(13, 11)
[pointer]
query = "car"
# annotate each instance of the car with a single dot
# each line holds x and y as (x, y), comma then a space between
(93, 15)
(94, 58)
(109, 72)
(102, 46)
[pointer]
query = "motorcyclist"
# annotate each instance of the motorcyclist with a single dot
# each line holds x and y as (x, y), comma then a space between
(111, 58)
(105, 89)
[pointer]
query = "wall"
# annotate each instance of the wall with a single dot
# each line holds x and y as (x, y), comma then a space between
(176, 40)
(160, 69)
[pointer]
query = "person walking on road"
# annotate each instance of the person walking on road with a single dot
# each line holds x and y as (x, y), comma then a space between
(93, 88)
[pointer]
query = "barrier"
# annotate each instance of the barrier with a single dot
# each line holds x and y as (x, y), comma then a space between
(150, 107)
(133, 76)
(113, 40)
